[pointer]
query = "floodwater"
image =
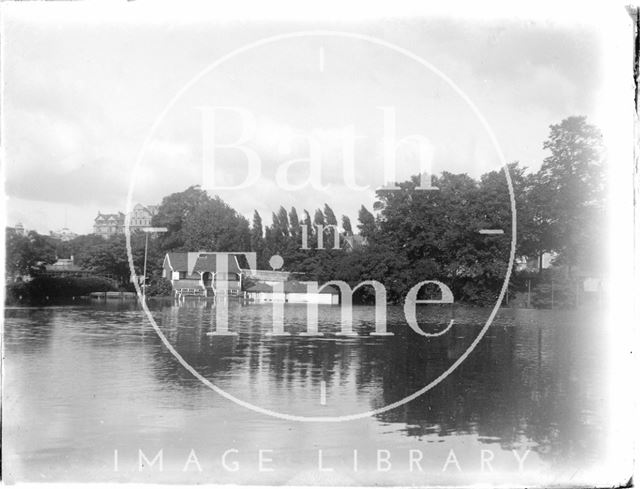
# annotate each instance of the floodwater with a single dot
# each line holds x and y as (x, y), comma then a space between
(91, 393)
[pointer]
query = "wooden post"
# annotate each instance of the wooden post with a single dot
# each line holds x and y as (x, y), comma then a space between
(529, 295)
(144, 273)
(551, 293)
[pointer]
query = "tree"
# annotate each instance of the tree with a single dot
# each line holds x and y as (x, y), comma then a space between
(434, 235)
(283, 221)
(279, 231)
(535, 233)
(494, 206)
(570, 190)
(311, 230)
(257, 238)
(276, 228)
(173, 212)
(215, 226)
(294, 223)
(346, 225)
(307, 221)
(27, 254)
(367, 223)
(81, 246)
(329, 216)
(269, 244)
(110, 256)
(318, 218)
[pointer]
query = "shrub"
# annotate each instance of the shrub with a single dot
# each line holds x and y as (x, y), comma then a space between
(159, 287)
(42, 289)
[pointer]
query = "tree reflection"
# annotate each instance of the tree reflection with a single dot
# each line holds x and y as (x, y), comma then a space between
(524, 384)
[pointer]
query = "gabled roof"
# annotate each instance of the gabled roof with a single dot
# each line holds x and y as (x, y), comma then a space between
(109, 217)
(178, 261)
(205, 262)
(208, 263)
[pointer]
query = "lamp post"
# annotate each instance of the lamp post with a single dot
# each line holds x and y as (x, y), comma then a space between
(148, 231)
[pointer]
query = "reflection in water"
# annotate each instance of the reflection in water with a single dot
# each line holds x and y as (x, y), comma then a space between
(82, 382)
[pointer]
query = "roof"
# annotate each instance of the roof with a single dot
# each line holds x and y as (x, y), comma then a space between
(268, 275)
(109, 217)
(208, 263)
(260, 288)
(205, 262)
(150, 209)
(177, 261)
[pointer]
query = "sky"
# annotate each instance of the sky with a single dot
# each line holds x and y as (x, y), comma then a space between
(82, 93)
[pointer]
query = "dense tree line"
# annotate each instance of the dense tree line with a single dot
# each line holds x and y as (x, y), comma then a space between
(28, 254)
(418, 235)
(411, 235)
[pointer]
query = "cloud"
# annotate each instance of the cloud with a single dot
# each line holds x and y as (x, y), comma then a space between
(80, 101)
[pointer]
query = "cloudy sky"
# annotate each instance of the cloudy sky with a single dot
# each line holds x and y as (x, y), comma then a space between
(82, 93)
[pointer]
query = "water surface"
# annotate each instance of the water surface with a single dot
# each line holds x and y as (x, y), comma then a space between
(85, 382)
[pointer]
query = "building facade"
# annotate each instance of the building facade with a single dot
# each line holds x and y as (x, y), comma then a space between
(293, 292)
(141, 216)
(64, 234)
(196, 274)
(18, 229)
(107, 225)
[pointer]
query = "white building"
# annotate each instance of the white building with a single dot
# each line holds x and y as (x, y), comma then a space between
(64, 234)
(293, 292)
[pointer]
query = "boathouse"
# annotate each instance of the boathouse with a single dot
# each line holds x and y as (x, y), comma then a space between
(196, 274)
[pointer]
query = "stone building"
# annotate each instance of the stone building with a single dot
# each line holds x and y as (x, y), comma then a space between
(141, 216)
(106, 225)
